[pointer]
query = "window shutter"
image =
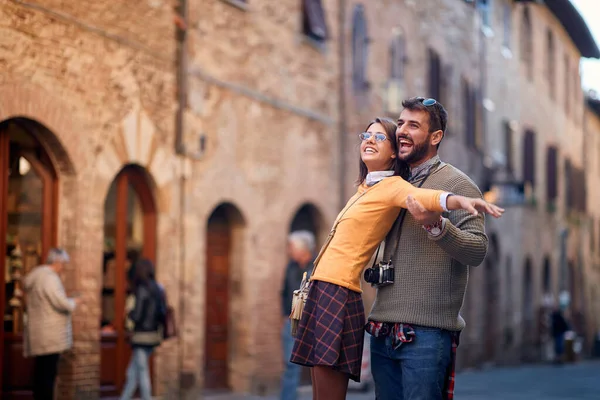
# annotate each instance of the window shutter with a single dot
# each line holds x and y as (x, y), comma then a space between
(529, 158)
(397, 57)
(434, 74)
(551, 174)
(315, 25)
(359, 49)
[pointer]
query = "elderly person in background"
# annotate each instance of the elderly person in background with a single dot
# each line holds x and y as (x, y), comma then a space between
(48, 329)
(301, 250)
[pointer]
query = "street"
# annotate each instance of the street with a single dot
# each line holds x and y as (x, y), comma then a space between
(547, 382)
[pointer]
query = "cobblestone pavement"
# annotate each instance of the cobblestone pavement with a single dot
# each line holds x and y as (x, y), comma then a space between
(568, 382)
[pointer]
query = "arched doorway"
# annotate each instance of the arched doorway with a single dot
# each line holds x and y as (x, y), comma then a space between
(491, 299)
(309, 218)
(28, 211)
(528, 311)
(129, 233)
(224, 295)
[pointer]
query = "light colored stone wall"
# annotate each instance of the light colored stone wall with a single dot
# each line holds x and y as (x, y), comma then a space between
(100, 77)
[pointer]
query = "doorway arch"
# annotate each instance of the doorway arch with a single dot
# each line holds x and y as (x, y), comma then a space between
(129, 234)
(28, 228)
(308, 217)
(225, 308)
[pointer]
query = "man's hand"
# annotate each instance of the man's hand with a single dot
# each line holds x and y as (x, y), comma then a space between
(474, 205)
(420, 214)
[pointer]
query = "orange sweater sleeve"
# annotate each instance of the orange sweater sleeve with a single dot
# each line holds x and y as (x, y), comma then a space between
(429, 198)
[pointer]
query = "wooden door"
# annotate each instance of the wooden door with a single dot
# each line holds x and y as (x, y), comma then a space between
(218, 248)
(28, 200)
(130, 226)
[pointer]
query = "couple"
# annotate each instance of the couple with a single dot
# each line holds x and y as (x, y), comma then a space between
(415, 321)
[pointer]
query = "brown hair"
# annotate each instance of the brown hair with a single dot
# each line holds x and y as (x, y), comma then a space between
(143, 272)
(438, 116)
(400, 167)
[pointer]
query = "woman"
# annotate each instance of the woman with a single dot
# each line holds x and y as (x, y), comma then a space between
(146, 317)
(330, 333)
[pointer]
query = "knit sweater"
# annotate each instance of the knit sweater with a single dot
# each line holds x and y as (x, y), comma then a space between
(363, 224)
(431, 273)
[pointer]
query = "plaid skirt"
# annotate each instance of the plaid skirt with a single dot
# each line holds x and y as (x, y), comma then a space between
(331, 330)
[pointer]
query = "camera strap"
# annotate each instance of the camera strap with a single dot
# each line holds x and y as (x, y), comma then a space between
(400, 219)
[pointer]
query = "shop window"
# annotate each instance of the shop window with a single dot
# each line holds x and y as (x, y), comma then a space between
(313, 20)
(28, 213)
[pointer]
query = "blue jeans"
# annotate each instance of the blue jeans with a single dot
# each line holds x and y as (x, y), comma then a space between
(416, 370)
(291, 375)
(138, 372)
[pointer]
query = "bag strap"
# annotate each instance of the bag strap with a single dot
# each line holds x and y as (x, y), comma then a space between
(332, 232)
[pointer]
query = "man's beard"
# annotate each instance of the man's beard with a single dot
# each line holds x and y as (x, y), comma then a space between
(418, 153)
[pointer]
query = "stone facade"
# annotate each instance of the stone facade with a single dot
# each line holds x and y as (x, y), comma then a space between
(269, 124)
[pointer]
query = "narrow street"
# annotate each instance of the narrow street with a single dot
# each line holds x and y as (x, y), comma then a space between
(547, 382)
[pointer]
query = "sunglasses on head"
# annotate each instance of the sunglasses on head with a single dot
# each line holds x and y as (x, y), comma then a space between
(379, 137)
(428, 102)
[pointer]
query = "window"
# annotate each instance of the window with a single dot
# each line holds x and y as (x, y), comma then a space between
(567, 92)
(527, 42)
(507, 24)
(360, 43)
(397, 56)
(550, 62)
(434, 87)
(508, 147)
(568, 186)
(485, 8)
(469, 115)
(313, 20)
(529, 158)
(551, 174)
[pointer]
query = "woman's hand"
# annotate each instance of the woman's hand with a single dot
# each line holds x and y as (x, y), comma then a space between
(473, 205)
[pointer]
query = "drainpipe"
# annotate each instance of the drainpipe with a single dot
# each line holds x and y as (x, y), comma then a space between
(342, 101)
(181, 23)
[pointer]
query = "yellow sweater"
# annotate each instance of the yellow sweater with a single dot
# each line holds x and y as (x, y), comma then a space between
(364, 226)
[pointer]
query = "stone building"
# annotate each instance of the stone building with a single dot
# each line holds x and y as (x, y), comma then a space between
(535, 135)
(199, 133)
(194, 133)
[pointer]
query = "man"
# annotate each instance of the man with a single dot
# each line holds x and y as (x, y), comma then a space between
(559, 327)
(415, 322)
(301, 250)
(48, 330)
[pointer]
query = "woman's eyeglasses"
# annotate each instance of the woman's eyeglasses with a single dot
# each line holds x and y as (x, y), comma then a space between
(379, 137)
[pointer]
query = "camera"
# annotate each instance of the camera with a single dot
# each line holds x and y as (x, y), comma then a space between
(381, 274)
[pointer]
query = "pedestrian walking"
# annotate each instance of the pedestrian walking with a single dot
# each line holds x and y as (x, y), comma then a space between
(330, 332)
(147, 315)
(301, 251)
(48, 331)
